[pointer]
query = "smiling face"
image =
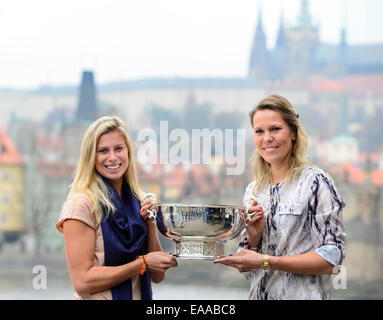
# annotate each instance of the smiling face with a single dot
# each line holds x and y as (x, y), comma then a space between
(273, 137)
(112, 157)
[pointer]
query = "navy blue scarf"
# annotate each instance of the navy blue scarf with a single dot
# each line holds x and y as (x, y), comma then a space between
(125, 238)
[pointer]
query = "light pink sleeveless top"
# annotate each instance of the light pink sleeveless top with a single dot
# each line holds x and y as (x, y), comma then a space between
(80, 208)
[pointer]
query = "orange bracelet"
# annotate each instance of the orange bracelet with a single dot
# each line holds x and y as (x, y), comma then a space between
(143, 266)
(147, 267)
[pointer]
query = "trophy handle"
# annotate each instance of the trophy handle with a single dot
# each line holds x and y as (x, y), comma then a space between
(248, 215)
(152, 213)
(238, 225)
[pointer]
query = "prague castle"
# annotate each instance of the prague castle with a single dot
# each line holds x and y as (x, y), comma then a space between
(299, 54)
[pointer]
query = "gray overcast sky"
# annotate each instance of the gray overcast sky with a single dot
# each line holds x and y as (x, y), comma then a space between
(49, 42)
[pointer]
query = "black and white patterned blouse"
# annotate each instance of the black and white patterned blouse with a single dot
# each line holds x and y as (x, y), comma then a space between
(302, 216)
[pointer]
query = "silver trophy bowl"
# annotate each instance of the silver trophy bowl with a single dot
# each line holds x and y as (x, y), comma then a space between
(199, 231)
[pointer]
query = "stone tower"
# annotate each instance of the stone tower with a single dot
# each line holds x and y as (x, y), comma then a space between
(87, 104)
(301, 44)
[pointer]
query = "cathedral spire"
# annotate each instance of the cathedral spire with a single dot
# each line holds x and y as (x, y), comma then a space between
(258, 54)
(343, 34)
(304, 18)
(342, 56)
(281, 32)
(259, 31)
(343, 37)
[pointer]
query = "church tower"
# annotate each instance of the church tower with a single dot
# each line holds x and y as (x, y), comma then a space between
(258, 66)
(87, 105)
(302, 41)
(277, 65)
(304, 18)
(281, 36)
(342, 57)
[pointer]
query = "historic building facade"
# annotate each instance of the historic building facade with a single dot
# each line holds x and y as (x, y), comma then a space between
(299, 53)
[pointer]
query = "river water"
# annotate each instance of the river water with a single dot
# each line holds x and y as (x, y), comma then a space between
(15, 288)
(60, 288)
(192, 280)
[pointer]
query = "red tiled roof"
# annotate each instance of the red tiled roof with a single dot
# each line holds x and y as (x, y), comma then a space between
(348, 171)
(327, 85)
(204, 179)
(176, 178)
(55, 169)
(52, 143)
(355, 85)
(9, 155)
(362, 84)
(149, 173)
(377, 177)
(373, 157)
(355, 174)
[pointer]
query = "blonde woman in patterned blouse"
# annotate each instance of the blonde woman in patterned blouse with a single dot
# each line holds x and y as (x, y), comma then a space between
(295, 236)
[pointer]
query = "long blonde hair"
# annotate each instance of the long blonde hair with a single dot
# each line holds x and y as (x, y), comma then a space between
(86, 180)
(298, 159)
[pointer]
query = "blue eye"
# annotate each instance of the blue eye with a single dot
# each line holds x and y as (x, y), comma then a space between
(258, 131)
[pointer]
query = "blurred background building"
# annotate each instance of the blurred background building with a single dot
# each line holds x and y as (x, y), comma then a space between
(299, 54)
(336, 88)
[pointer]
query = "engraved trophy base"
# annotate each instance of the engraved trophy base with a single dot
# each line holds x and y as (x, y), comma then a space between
(201, 248)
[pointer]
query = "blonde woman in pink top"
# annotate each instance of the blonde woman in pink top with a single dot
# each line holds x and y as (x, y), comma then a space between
(112, 248)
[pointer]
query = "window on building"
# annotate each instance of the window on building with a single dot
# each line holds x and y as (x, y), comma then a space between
(5, 175)
(4, 217)
(5, 199)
